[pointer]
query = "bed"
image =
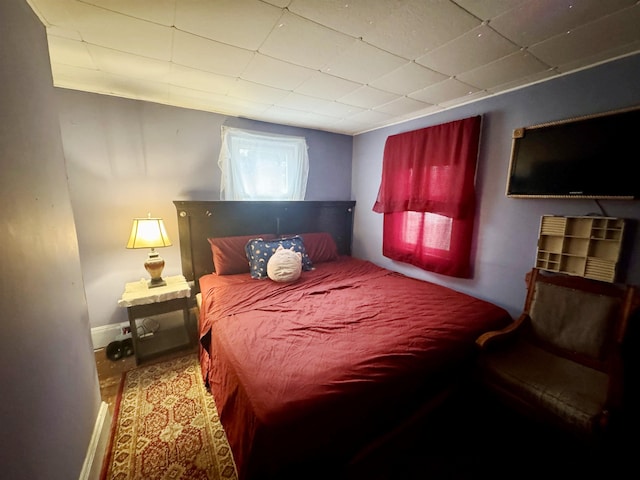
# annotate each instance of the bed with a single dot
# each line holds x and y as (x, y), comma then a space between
(310, 377)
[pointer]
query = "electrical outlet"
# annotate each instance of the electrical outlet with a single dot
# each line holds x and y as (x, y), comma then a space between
(125, 332)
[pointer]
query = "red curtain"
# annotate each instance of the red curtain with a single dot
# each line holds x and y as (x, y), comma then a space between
(427, 196)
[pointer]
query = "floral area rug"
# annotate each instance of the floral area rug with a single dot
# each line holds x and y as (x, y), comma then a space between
(166, 426)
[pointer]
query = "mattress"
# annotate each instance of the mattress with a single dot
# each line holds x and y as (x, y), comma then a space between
(313, 371)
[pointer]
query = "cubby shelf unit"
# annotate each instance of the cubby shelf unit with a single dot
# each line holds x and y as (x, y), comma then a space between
(585, 246)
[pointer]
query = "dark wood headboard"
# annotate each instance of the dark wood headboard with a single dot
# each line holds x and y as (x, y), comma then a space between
(199, 220)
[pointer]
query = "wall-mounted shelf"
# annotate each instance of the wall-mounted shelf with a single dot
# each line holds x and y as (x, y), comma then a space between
(582, 246)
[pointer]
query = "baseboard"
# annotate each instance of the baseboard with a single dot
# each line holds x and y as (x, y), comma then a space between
(105, 334)
(97, 449)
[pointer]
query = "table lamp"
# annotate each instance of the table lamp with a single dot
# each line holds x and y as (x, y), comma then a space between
(150, 233)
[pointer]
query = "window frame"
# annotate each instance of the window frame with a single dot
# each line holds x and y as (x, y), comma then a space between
(247, 159)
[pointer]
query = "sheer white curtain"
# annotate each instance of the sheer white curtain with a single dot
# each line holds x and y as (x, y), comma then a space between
(261, 166)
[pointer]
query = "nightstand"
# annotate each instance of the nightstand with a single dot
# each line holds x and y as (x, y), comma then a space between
(142, 302)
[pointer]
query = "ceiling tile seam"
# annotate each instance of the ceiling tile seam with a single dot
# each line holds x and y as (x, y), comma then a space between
(467, 11)
(281, 105)
(586, 25)
(276, 24)
(242, 77)
(125, 52)
(171, 61)
(483, 22)
(286, 9)
(321, 69)
(453, 77)
(242, 73)
(522, 50)
(176, 29)
(487, 23)
(65, 29)
(118, 12)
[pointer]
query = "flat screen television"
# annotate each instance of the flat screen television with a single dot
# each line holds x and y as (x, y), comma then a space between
(595, 156)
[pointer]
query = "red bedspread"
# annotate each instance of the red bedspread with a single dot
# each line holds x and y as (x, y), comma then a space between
(314, 370)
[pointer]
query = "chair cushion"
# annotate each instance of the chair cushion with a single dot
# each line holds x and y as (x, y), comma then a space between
(573, 319)
(572, 392)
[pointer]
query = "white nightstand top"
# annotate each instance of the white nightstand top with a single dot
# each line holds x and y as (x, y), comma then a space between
(139, 293)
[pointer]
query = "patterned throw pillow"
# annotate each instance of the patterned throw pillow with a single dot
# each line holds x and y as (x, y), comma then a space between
(259, 252)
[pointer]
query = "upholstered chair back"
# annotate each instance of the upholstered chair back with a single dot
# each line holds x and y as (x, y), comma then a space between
(574, 320)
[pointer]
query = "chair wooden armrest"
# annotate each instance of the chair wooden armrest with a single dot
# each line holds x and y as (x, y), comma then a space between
(496, 337)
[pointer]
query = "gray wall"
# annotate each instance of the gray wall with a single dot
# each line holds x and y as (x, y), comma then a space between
(50, 396)
(506, 229)
(126, 158)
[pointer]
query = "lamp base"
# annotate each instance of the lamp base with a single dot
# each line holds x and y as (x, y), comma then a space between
(156, 282)
(154, 265)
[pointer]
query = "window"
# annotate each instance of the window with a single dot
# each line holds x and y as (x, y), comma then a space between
(427, 196)
(261, 166)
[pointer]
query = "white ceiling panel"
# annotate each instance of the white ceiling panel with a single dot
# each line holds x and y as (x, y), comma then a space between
(532, 22)
(444, 91)
(508, 69)
(296, 101)
(371, 116)
(401, 106)
(212, 101)
(363, 63)
(70, 52)
(120, 32)
(126, 64)
(408, 78)
(487, 9)
(323, 85)
(257, 92)
(368, 97)
(614, 30)
(303, 42)
(353, 17)
(78, 78)
(521, 81)
(243, 23)
(286, 116)
(209, 55)
(601, 57)
(419, 26)
(156, 11)
(187, 77)
(471, 97)
(471, 50)
(276, 73)
(345, 66)
(339, 110)
(142, 89)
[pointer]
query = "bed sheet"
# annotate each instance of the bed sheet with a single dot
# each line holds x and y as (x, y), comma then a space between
(312, 371)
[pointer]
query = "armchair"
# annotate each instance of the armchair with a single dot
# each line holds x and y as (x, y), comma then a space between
(561, 362)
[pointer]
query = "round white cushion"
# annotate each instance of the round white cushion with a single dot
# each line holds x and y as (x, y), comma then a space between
(285, 265)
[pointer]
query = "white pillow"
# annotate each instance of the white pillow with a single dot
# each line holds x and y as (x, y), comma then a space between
(285, 265)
